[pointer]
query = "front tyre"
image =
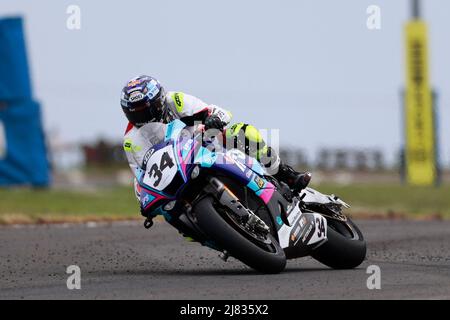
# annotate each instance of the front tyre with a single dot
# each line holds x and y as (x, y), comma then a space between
(238, 246)
(345, 248)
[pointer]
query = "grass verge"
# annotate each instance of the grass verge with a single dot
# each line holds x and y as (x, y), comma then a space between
(22, 206)
(393, 201)
(51, 206)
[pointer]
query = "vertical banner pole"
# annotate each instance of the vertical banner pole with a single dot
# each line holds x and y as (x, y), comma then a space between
(420, 132)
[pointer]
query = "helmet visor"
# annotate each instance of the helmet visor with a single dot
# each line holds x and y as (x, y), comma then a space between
(142, 112)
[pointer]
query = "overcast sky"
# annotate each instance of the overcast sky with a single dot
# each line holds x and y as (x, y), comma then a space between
(310, 68)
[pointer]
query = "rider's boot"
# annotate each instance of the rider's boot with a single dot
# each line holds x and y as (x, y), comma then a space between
(297, 181)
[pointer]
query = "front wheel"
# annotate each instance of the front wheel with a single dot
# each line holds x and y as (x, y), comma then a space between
(345, 248)
(269, 258)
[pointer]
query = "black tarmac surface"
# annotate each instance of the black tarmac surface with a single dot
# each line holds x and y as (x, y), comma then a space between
(126, 261)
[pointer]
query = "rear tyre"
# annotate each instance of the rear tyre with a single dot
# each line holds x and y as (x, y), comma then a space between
(238, 246)
(345, 248)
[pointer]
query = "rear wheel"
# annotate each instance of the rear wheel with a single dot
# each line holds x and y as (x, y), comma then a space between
(345, 248)
(262, 253)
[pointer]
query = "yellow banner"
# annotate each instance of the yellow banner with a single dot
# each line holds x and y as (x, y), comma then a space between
(419, 122)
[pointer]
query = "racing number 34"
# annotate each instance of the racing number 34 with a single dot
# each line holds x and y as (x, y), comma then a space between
(157, 171)
(320, 227)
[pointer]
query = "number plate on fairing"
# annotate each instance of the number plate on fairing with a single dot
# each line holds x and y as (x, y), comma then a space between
(161, 168)
(306, 229)
(320, 232)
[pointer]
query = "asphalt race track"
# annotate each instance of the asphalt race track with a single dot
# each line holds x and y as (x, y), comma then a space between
(126, 261)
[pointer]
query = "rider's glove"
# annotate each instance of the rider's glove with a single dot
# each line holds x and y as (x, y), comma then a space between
(214, 122)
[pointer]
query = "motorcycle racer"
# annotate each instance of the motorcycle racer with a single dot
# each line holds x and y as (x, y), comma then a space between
(148, 107)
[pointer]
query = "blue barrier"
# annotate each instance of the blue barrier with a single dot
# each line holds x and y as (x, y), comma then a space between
(25, 160)
(14, 75)
(23, 155)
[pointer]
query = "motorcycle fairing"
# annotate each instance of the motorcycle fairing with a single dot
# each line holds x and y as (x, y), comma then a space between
(294, 228)
(310, 195)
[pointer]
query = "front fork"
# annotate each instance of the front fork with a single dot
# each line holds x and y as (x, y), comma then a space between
(185, 222)
(229, 200)
(300, 232)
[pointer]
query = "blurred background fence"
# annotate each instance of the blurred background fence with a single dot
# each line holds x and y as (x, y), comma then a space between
(103, 162)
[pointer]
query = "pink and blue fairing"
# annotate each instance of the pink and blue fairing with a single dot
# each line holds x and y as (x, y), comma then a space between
(189, 153)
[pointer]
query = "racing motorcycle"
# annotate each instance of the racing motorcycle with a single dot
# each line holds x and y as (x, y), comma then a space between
(225, 200)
